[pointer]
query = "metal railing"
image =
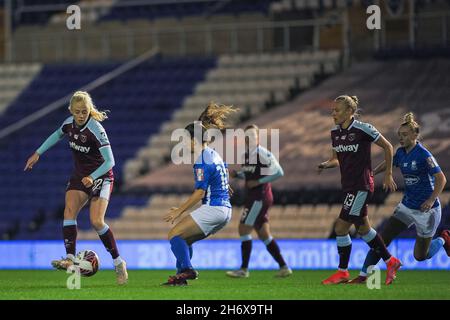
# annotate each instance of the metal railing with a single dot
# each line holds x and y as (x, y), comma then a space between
(414, 30)
(99, 43)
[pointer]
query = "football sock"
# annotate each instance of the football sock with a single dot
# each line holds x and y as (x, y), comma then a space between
(344, 246)
(70, 236)
(191, 252)
(373, 239)
(246, 250)
(274, 250)
(107, 237)
(180, 250)
(372, 259)
(435, 245)
(117, 261)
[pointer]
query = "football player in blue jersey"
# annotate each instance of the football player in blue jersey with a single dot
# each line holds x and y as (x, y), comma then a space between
(211, 186)
(420, 206)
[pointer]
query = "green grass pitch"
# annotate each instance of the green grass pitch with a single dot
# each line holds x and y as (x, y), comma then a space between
(213, 284)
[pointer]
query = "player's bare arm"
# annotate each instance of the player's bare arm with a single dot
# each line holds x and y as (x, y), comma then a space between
(381, 167)
(175, 212)
(31, 161)
(333, 162)
(388, 182)
(439, 183)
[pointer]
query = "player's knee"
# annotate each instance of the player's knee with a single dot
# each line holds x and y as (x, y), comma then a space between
(69, 213)
(340, 231)
(174, 233)
(244, 229)
(97, 223)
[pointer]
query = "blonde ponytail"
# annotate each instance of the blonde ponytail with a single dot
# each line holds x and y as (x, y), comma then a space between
(351, 102)
(84, 97)
(214, 115)
(410, 122)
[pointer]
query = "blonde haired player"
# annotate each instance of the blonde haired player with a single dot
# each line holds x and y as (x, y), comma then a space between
(420, 206)
(92, 178)
(351, 151)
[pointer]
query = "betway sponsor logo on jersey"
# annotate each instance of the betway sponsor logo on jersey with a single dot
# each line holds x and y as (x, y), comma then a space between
(74, 146)
(346, 148)
(411, 179)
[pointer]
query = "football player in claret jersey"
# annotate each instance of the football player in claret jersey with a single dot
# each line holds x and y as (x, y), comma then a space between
(351, 151)
(420, 206)
(92, 178)
(211, 187)
(259, 198)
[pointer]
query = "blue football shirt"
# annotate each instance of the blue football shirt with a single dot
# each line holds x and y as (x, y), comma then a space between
(417, 167)
(210, 173)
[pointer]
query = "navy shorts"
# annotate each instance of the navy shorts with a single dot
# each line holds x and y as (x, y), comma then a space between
(102, 187)
(354, 207)
(256, 213)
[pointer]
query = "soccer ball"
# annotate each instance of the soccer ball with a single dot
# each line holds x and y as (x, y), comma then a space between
(88, 262)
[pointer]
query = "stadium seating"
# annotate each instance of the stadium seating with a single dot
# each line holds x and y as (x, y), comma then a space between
(145, 96)
(13, 80)
(239, 80)
(289, 221)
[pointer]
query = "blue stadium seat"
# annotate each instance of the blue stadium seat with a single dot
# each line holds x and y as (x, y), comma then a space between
(139, 101)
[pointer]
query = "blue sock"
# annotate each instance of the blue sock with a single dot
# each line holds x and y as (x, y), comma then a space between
(372, 259)
(435, 245)
(191, 252)
(181, 251)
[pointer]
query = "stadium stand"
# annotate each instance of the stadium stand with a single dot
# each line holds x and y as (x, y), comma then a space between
(13, 80)
(239, 80)
(305, 126)
(166, 93)
(158, 85)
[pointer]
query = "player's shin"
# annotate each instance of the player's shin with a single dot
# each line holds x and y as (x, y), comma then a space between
(107, 237)
(191, 253)
(274, 251)
(435, 246)
(180, 249)
(375, 242)
(372, 259)
(344, 245)
(246, 250)
(70, 237)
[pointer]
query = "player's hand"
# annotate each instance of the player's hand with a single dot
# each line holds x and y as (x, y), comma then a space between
(173, 215)
(87, 181)
(427, 205)
(320, 167)
(389, 183)
(31, 161)
(230, 191)
(252, 184)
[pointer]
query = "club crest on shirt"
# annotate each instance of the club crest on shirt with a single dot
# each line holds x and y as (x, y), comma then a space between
(351, 136)
(83, 138)
(431, 162)
(199, 174)
(413, 165)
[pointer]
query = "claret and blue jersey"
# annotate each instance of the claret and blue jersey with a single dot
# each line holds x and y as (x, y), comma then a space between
(418, 168)
(210, 173)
